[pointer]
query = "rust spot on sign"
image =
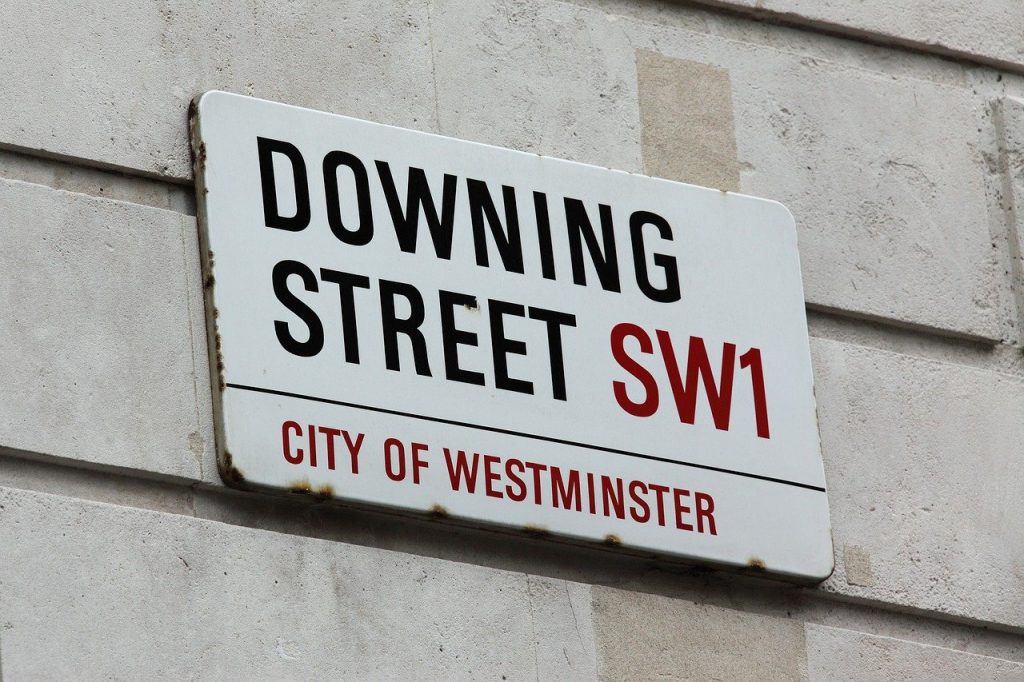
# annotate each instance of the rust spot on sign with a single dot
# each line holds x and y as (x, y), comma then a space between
(208, 282)
(220, 359)
(756, 564)
(301, 487)
(230, 473)
(193, 113)
(612, 539)
(536, 530)
(324, 492)
(438, 510)
(474, 306)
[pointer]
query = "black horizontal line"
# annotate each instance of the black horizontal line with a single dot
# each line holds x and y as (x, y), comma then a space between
(509, 432)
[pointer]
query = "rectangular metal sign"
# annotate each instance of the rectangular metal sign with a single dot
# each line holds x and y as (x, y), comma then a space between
(434, 325)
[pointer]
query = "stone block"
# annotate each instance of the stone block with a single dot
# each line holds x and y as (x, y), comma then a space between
(837, 654)
(94, 591)
(117, 89)
(886, 177)
(540, 77)
(103, 335)
(1009, 118)
(922, 460)
(981, 30)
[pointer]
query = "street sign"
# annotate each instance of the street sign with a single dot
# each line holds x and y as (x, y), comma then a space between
(433, 325)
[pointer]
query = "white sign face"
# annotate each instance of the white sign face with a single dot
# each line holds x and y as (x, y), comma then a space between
(434, 325)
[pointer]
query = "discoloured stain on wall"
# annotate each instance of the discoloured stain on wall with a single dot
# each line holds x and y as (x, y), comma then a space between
(858, 566)
(660, 635)
(686, 117)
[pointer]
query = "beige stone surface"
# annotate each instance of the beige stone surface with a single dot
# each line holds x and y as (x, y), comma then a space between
(1009, 133)
(100, 331)
(541, 77)
(688, 133)
(922, 462)
(564, 645)
(650, 637)
(837, 654)
(111, 82)
(988, 30)
(75, 177)
(94, 591)
(906, 178)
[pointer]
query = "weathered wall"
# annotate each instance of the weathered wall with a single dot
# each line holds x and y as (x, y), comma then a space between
(895, 134)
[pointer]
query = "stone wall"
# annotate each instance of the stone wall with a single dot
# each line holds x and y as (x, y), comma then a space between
(893, 131)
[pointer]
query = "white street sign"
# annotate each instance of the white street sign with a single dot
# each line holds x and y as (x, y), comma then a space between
(434, 325)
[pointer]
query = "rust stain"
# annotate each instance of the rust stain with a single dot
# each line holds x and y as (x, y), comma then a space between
(612, 539)
(756, 564)
(209, 281)
(474, 306)
(438, 510)
(216, 333)
(193, 113)
(536, 530)
(301, 487)
(230, 473)
(324, 492)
